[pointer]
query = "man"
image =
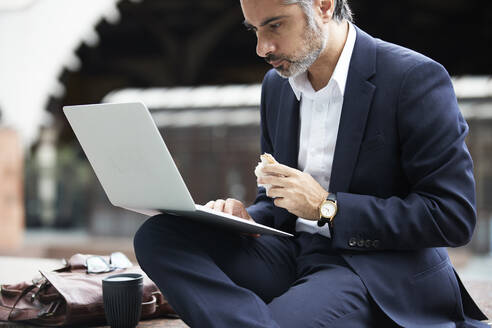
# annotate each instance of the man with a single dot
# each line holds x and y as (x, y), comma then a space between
(374, 180)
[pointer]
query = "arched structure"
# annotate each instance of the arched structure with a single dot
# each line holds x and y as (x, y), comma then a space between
(38, 39)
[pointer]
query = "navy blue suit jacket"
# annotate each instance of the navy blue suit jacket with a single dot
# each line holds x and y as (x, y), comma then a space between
(403, 177)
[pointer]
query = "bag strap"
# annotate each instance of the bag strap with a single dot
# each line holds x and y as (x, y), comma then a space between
(148, 308)
(158, 306)
(50, 310)
(32, 313)
(21, 295)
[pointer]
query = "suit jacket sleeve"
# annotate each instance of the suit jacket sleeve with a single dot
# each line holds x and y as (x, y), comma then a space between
(262, 209)
(439, 209)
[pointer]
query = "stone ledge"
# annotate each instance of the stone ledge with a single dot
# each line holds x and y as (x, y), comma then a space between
(480, 290)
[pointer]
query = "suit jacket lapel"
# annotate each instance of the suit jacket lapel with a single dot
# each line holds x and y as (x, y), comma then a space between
(357, 101)
(287, 138)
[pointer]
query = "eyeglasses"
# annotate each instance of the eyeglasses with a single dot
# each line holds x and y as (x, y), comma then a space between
(97, 264)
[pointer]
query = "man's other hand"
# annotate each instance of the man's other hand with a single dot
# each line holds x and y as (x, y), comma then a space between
(233, 207)
(294, 190)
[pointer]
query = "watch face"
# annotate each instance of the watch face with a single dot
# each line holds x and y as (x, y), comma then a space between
(328, 210)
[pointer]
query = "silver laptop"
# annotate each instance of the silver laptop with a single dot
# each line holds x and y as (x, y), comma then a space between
(135, 168)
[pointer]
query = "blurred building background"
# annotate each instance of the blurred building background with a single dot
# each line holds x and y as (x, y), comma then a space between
(194, 65)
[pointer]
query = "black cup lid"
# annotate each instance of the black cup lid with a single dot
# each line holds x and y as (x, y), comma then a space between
(124, 279)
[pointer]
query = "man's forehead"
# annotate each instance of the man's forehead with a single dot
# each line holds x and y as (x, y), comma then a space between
(264, 2)
(257, 12)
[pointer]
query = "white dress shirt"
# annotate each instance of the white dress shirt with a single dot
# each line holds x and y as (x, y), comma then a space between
(320, 113)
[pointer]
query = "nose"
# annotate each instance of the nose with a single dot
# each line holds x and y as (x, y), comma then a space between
(264, 46)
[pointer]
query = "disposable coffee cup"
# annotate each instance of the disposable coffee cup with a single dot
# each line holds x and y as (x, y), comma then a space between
(122, 298)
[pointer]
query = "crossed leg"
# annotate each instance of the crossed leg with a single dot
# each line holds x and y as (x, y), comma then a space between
(215, 278)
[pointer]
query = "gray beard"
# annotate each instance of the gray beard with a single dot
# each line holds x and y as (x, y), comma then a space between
(312, 36)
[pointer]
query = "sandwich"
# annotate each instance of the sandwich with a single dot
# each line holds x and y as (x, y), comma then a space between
(264, 160)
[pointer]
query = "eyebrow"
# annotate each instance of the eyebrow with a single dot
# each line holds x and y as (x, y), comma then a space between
(265, 22)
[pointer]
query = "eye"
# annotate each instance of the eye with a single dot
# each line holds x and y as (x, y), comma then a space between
(251, 29)
(275, 26)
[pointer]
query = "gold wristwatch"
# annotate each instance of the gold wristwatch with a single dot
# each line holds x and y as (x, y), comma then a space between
(328, 210)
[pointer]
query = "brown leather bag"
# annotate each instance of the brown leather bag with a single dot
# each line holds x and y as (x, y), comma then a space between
(70, 296)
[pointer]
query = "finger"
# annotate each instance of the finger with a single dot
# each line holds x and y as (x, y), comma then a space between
(276, 192)
(210, 204)
(219, 205)
(274, 181)
(280, 202)
(229, 206)
(237, 208)
(279, 169)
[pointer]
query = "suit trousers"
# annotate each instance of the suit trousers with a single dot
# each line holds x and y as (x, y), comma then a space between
(218, 278)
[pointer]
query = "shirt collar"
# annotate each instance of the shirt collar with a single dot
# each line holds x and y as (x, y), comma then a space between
(302, 86)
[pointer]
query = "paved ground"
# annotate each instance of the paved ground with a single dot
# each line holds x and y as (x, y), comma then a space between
(477, 268)
(17, 269)
(63, 244)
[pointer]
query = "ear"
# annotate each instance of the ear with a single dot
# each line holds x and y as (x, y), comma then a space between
(326, 8)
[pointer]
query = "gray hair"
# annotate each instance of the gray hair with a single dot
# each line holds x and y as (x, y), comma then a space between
(342, 10)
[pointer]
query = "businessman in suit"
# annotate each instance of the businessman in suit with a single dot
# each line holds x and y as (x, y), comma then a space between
(374, 180)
